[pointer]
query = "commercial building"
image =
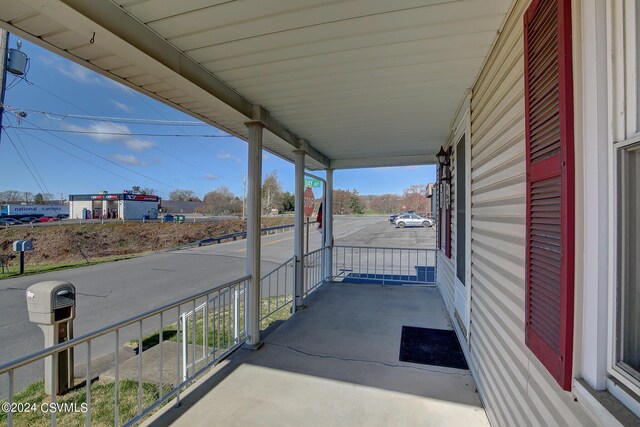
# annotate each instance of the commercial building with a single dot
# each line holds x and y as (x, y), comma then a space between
(113, 206)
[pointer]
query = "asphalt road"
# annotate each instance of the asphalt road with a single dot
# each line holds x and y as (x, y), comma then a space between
(111, 292)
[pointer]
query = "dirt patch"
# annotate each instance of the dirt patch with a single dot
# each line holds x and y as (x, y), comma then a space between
(84, 242)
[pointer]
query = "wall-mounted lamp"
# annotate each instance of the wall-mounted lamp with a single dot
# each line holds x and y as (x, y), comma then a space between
(444, 162)
(442, 156)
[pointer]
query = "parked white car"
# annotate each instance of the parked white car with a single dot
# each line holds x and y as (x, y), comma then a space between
(412, 220)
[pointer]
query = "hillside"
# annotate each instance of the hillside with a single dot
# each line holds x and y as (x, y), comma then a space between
(87, 242)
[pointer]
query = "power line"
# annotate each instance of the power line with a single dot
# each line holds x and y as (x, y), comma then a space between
(35, 168)
(81, 159)
(131, 120)
(116, 128)
(24, 162)
(104, 158)
(92, 132)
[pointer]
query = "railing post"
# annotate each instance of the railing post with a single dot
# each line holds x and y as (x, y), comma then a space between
(236, 318)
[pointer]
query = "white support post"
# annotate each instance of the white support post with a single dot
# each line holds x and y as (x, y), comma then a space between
(328, 224)
(254, 209)
(298, 232)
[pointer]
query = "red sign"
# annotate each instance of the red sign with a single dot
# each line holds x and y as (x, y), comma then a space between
(309, 201)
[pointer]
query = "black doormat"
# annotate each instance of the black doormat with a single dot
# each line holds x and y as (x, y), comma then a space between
(431, 347)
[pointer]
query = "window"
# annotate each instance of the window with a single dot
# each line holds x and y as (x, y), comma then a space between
(461, 214)
(550, 186)
(627, 348)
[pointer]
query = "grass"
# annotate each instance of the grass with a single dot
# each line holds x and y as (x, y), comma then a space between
(220, 326)
(14, 270)
(102, 404)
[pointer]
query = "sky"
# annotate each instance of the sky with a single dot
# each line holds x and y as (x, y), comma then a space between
(44, 159)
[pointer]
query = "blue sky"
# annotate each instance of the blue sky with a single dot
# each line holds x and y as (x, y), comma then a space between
(73, 163)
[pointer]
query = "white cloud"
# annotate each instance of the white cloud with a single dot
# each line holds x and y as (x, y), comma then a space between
(122, 106)
(228, 156)
(104, 133)
(81, 74)
(138, 145)
(211, 177)
(128, 159)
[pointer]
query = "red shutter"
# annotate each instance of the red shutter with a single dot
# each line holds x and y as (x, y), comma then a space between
(440, 218)
(447, 214)
(550, 186)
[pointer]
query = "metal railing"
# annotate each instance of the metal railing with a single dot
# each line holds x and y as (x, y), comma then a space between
(219, 313)
(276, 291)
(313, 264)
(362, 264)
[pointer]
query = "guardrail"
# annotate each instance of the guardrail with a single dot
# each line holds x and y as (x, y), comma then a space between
(361, 264)
(232, 236)
(224, 329)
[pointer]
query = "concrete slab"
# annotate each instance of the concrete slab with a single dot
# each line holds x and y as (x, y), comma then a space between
(337, 363)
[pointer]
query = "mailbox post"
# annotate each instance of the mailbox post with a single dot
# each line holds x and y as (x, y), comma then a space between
(22, 246)
(52, 306)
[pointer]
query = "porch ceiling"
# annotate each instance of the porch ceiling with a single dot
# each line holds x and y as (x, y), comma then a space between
(364, 82)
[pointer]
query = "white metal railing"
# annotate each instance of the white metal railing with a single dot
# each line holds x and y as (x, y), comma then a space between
(384, 265)
(276, 290)
(314, 272)
(221, 317)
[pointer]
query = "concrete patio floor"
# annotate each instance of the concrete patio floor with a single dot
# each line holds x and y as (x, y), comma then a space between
(336, 363)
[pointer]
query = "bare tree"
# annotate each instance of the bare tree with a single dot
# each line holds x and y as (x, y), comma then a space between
(271, 192)
(183, 195)
(14, 196)
(221, 201)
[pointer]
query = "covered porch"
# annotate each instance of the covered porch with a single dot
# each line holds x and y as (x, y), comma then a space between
(337, 363)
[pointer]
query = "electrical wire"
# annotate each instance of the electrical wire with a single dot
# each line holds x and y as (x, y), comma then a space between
(116, 128)
(127, 179)
(35, 168)
(91, 132)
(25, 163)
(104, 158)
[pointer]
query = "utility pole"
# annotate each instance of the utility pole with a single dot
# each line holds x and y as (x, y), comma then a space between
(4, 46)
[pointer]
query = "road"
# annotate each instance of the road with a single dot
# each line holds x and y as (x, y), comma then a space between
(111, 292)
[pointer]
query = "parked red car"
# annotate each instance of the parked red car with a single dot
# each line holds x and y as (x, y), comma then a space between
(47, 219)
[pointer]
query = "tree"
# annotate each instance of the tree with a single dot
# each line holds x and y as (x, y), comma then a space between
(183, 195)
(271, 192)
(288, 203)
(356, 203)
(38, 199)
(415, 198)
(148, 191)
(136, 189)
(14, 196)
(221, 201)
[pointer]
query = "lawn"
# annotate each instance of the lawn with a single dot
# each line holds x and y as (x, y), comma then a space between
(102, 404)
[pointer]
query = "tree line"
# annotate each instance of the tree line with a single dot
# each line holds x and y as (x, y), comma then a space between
(222, 201)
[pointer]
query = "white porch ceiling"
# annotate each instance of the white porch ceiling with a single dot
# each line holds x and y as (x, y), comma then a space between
(357, 83)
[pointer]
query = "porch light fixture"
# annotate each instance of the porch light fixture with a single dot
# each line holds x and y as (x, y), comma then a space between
(443, 157)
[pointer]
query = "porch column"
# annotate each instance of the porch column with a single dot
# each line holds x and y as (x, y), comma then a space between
(328, 231)
(298, 233)
(254, 213)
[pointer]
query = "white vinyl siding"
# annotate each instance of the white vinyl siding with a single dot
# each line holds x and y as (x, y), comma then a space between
(514, 386)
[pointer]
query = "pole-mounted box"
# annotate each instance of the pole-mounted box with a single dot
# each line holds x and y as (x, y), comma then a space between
(52, 306)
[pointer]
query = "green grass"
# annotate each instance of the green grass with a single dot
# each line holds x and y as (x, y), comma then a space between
(102, 404)
(220, 328)
(14, 270)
